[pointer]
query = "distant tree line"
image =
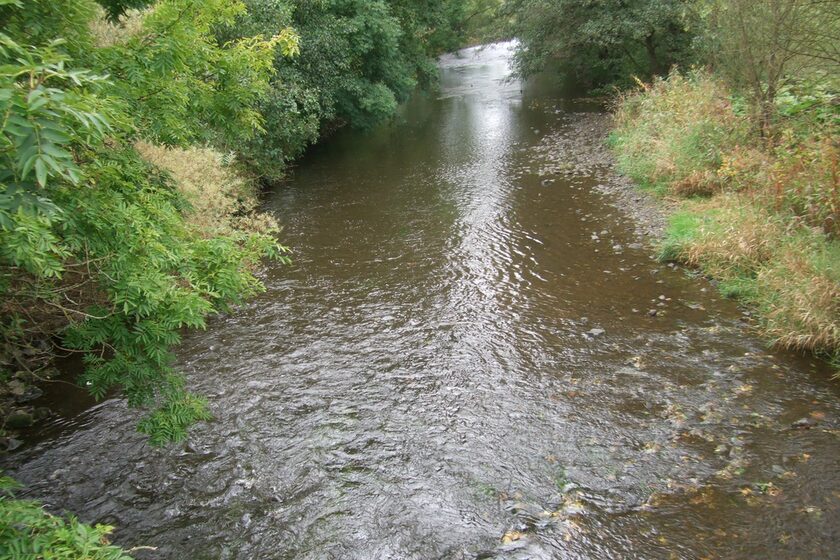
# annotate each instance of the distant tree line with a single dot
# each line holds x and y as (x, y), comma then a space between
(758, 46)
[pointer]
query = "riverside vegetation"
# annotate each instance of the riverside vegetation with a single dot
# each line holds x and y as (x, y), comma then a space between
(748, 138)
(761, 216)
(735, 109)
(751, 146)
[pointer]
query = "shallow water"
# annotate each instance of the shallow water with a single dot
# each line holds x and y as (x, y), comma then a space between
(420, 384)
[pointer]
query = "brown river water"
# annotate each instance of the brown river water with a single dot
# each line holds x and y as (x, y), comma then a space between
(420, 383)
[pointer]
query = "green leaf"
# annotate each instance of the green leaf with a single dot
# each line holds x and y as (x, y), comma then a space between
(41, 172)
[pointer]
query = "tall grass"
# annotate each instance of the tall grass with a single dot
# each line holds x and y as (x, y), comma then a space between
(674, 133)
(760, 215)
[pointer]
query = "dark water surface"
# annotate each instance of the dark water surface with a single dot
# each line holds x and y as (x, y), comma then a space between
(418, 384)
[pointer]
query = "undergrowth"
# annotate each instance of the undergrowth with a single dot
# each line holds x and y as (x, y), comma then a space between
(760, 215)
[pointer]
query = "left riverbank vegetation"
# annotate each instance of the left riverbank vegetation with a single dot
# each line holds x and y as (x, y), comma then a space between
(135, 137)
(100, 250)
(28, 532)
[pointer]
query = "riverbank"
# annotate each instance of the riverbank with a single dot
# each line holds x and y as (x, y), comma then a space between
(758, 215)
(580, 148)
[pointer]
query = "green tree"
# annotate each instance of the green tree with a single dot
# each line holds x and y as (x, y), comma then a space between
(358, 60)
(94, 246)
(117, 8)
(761, 47)
(186, 86)
(483, 21)
(597, 43)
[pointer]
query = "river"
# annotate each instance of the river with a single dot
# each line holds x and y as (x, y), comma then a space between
(469, 358)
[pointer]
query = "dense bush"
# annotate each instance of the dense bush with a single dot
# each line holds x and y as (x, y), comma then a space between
(96, 246)
(594, 44)
(770, 235)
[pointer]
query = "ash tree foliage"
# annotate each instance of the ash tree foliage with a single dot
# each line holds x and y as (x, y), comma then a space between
(598, 43)
(27, 531)
(98, 251)
(184, 84)
(94, 247)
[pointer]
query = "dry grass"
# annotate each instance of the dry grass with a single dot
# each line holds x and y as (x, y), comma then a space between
(787, 271)
(804, 312)
(222, 201)
(699, 183)
(107, 33)
(769, 229)
(735, 238)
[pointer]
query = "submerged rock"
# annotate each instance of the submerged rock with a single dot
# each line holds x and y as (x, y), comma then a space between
(19, 419)
(594, 333)
(9, 443)
(804, 423)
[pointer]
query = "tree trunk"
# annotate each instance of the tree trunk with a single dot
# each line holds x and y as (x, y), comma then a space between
(653, 58)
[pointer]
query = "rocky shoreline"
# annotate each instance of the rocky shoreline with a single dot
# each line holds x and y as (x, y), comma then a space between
(580, 148)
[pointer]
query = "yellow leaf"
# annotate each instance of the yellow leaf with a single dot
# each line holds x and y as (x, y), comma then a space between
(512, 536)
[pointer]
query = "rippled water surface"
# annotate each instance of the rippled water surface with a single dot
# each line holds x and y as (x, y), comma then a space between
(420, 384)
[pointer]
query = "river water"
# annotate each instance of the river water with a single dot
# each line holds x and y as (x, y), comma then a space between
(420, 384)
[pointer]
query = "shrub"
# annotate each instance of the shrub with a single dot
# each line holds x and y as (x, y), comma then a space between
(221, 200)
(770, 232)
(29, 532)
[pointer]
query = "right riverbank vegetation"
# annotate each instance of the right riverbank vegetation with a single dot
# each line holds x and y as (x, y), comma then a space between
(749, 142)
(730, 111)
(136, 135)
